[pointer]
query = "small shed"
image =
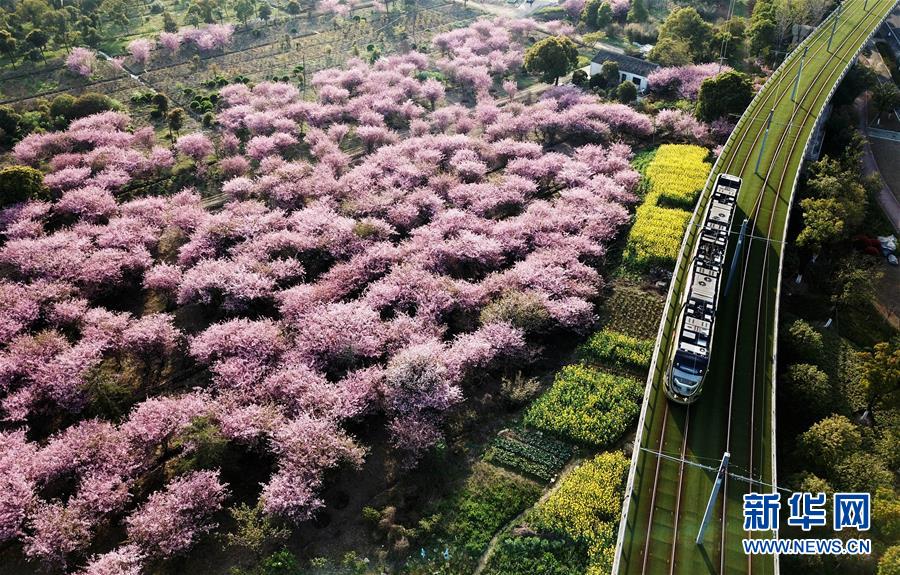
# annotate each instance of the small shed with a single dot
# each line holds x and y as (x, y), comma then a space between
(631, 69)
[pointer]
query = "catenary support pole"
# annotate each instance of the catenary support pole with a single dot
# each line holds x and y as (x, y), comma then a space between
(799, 71)
(737, 254)
(834, 24)
(762, 148)
(720, 475)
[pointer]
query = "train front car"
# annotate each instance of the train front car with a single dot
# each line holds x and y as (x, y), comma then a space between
(696, 321)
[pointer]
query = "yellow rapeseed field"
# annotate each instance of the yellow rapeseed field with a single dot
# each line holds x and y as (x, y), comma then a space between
(676, 176)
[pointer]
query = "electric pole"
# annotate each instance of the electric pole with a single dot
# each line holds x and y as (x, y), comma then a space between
(765, 137)
(799, 70)
(834, 24)
(720, 475)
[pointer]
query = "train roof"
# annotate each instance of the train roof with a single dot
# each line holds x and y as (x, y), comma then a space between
(707, 268)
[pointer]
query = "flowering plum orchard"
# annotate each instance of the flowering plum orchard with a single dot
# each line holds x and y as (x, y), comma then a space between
(682, 81)
(363, 235)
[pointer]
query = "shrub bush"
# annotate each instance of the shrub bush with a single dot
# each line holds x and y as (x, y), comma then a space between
(523, 310)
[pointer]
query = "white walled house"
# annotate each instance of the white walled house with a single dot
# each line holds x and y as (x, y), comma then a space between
(631, 69)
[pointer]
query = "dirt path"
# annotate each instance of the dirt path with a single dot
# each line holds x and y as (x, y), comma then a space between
(486, 556)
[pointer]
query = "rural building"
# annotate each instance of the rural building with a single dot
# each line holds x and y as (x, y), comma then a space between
(631, 69)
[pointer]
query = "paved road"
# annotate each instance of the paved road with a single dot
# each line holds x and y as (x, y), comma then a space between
(886, 198)
(667, 494)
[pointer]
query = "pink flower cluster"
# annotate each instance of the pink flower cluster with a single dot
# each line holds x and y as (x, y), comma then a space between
(95, 156)
(338, 7)
(473, 56)
(140, 50)
(681, 126)
(81, 61)
(682, 81)
(206, 38)
(619, 8)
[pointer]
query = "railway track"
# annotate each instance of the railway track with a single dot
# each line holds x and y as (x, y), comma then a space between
(752, 350)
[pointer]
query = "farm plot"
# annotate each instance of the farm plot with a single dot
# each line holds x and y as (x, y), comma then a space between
(587, 506)
(587, 405)
(675, 175)
(573, 531)
(632, 311)
(529, 452)
(609, 348)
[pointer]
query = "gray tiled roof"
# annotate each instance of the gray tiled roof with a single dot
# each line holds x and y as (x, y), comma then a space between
(626, 63)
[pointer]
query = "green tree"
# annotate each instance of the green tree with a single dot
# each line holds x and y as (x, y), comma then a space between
(732, 36)
(589, 13)
(169, 23)
(804, 342)
(728, 93)
(175, 120)
(8, 46)
(835, 202)
(579, 78)
(762, 28)
(21, 183)
(829, 442)
(687, 26)
(859, 79)
(637, 12)
(30, 10)
(812, 483)
(91, 103)
(551, 58)
(60, 22)
(38, 38)
(885, 97)
(244, 10)
(115, 12)
(9, 125)
(886, 514)
(880, 379)
(264, 12)
(854, 283)
(604, 16)
(669, 52)
(609, 71)
(293, 7)
(626, 92)
(207, 10)
(161, 101)
(809, 389)
(61, 107)
(861, 471)
(890, 561)
(822, 223)
(255, 530)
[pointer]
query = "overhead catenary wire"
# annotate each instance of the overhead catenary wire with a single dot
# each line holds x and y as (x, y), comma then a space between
(739, 477)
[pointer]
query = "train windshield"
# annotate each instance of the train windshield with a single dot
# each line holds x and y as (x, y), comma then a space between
(688, 367)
